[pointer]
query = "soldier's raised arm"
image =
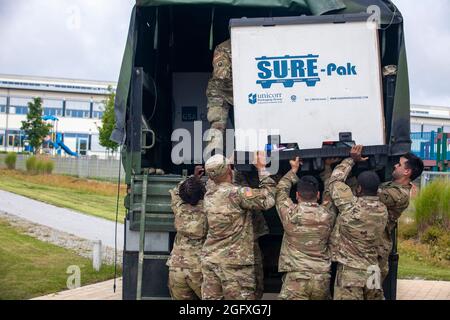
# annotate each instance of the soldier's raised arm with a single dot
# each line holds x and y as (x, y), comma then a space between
(262, 198)
(175, 199)
(340, 192)
(283, 201)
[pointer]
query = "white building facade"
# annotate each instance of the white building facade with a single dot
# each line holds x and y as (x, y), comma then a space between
(426, 118)
(77, 104)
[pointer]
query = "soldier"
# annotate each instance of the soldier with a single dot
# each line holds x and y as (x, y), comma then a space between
(304, 255)
(228, 257)
(185, 274)
(356, 237)
(220, 91)
(395, 195)
(260, 229)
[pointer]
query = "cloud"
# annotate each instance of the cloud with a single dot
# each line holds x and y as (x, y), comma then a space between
(86, 39)
(64, 38)
(427, 34)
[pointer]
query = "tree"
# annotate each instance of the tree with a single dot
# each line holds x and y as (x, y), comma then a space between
(108, 122)
(35, 128)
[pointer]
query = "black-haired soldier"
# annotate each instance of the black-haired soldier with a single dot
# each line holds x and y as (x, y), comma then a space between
(395, 195)
(304, 257)
(185, 273)
(357, 235)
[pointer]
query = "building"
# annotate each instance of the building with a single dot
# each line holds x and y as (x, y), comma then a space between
(429, 118)
(77, 104)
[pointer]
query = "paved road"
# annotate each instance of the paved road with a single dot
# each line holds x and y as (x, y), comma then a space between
(78, 224)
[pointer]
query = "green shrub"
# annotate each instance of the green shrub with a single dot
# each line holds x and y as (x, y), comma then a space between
(433, 205)
(40, 166)
(49, 165)
(431, 235)
(408, 231)
(31, 165)
(10, 160)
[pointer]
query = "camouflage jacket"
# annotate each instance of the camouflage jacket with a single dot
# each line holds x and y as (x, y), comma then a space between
(307, 227)
(395, 197)
(357, 236)
(220, 86)
(325, 176)
(260, 227)
(191, 225)
(229, 209)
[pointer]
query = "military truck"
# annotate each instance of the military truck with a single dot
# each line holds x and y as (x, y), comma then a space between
(162, 84)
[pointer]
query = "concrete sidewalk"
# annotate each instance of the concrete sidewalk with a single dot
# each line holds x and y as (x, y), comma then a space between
(407, 290)
(75, 223)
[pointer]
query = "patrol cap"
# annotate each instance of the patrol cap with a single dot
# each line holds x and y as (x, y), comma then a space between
(216, 166)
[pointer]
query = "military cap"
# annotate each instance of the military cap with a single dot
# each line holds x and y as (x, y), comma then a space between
(217, 166)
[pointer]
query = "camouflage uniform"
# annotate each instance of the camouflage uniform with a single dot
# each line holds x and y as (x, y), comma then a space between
(304, 255)
(185, 275)
(356, 238)
(260, 229)
(228, 255)
(325, 176)
(396, 198)
(220, 88)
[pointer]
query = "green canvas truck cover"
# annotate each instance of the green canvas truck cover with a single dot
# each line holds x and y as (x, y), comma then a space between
(389, 16)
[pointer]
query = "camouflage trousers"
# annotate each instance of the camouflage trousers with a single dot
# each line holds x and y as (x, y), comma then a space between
(228, 282)
(383, 258)
(185, 284)
(259, 272)
(301, 286)
(351, 284)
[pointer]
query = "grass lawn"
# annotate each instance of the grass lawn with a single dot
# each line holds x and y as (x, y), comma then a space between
(409, 268)
(96, 198)
(30, 268)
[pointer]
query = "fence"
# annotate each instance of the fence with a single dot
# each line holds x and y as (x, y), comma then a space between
(424, 145)
(83, 167)
(428, 176)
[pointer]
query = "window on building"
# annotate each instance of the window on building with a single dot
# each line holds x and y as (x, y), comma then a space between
(2, 138)
(98, 109)
(416, 127)
(53, 107)
(19, 105)
(2, 104)
(78, 109)
(21, 110)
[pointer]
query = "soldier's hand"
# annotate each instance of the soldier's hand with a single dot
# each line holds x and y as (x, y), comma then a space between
(259, 160)
(355, 153)
(199, 172)
(295, 164)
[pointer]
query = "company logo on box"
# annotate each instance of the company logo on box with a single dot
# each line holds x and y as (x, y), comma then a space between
(264, 98)
(289, 70)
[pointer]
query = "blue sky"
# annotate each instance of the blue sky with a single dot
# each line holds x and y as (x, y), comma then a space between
(85, 39)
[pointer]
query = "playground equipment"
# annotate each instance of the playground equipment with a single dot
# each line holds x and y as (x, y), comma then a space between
(433, 148)
(56, 138)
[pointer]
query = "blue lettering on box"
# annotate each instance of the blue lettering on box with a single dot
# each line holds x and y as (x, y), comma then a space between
(289, 70)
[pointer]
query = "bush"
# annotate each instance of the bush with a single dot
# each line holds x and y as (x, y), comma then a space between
(10, 160)
(433, 205)
(31, 165)
(431, 235)
(40, 166)
(408, 231)
(49, 165)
